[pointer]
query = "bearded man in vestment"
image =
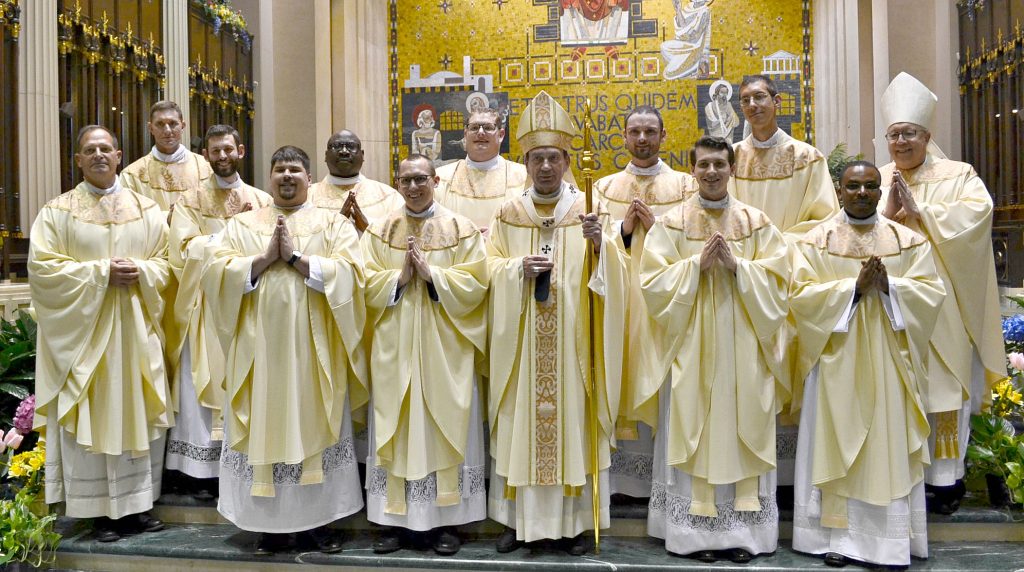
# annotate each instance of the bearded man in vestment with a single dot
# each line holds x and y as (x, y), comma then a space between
(541, 448)
(475, 187)
(866, 295)
(346, 189)
(426, 291)
(644, 190)
(948, 203)
(788, 180)
(193, 350)
(715, 275)
(286, 283)
(170, 168)
(97, 270)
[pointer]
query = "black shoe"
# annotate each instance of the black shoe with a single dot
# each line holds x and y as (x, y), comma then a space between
(836, 560)
(105, 530)
(447, 542)
(507, 541)
(389, 541)
(148, 522)
(944, 500)
(324, 539)
(738, 555)
(706, 556)
(579, 545)
(269, 543)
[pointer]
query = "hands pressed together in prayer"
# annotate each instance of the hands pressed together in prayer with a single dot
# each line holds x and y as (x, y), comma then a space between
(716, 249)
(872, 275)
(415, 264)
(637, 211)
(351, 210)
(280, 247)
(123, 272)
(900, 205)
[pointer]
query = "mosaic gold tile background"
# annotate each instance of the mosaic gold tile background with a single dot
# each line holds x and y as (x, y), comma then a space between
(450, 55)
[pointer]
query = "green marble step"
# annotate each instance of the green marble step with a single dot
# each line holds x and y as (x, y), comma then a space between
(975, 521)
(222, 547)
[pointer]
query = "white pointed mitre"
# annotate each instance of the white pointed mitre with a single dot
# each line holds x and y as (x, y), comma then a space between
(544, 123)
(907, 100)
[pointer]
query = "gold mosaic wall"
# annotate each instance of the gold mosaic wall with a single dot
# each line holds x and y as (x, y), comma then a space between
(448, 56)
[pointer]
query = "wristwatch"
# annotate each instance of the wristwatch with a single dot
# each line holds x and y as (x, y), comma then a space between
(296, 255)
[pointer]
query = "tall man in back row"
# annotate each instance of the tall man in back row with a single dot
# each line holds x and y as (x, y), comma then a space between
(541, 442)
(948, 203)
(169, 169)
(788, 180)
(644, 190)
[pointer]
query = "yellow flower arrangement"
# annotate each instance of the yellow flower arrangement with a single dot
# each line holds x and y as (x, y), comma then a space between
(1005, 396)
(27, 463)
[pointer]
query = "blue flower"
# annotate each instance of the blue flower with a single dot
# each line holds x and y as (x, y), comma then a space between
(1013, 328)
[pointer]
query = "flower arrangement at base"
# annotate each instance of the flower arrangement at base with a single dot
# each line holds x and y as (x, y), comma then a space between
(996, 450)
(26, 531)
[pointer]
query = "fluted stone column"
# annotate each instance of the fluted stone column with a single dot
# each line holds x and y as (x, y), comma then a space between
(38, 102)
(175, 32)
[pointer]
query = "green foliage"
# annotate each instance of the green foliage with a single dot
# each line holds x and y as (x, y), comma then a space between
(995, 450)
(17, 364)
(26, 528)
(837, 160)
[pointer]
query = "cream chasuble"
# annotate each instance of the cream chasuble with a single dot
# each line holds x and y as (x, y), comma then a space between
(956, 218)
(643, 360)
(477, 193)
(376, 200)
(99, 364)
(871, 432)
(199, 214)
(423, 349)
(164, 182)
(293, 354)
(540, 350)
(719, 332)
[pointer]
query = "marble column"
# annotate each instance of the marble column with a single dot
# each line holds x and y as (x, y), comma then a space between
(359, 46)
(175, 34)
(38, 116)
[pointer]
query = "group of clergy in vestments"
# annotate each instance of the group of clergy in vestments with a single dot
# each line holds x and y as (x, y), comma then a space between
(247, 333)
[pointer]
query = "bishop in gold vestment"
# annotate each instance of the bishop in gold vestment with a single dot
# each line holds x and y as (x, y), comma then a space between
(715, 275)
(541, 446)
(646, 189)
(193, 350)
(97, 271)
(286, 281)
(426, 292)
(948, 203)
(866, 295)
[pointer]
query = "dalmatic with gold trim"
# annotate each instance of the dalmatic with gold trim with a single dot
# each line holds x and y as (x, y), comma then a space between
(966, 352)
(539, 354)
(377, 200)
(864, 430)
(198, 215)
(103, 400)
(294, 355)
(423, 350)
(164, 182)
(476, 193)
(643, 360)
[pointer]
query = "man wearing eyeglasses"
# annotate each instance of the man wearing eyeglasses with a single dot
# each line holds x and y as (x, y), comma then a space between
(170, 168)
(426, 291)
(646, 188)
(359, 198)
(788, 180)
(948, 203)
(866, 292)
(476, 186)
